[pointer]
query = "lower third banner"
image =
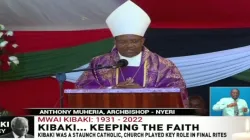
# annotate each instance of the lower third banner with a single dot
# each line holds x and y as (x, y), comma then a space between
(142, 127)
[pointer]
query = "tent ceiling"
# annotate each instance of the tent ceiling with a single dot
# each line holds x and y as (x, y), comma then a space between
(89, 14)
(55, 14)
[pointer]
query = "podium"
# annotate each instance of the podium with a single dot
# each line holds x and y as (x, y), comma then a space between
(125, 98)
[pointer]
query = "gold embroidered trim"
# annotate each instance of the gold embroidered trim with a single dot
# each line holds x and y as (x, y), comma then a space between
(145, 73)
(97, 80)
(117, 76)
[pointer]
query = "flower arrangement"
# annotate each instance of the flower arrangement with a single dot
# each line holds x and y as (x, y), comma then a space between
(7, 48)
(4, 112)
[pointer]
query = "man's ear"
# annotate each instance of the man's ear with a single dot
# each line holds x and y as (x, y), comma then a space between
(143, 41)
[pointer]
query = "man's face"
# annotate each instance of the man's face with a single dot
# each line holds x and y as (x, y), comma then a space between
(21, 127)
(235, 94)
(196, 103)
(129, 45)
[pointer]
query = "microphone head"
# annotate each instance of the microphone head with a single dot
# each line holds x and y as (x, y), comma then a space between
(122, 63)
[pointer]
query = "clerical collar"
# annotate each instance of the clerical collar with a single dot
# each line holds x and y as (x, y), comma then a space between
(132, 61)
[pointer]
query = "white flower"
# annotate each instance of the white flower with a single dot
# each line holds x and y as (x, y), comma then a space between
(14, 45)
(9, 33)
(3, 44)
(13, 58)
(16, 62)
(2, 27)
(9, 63)
(1, 34)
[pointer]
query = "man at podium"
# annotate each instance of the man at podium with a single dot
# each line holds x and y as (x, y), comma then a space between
(128, 24)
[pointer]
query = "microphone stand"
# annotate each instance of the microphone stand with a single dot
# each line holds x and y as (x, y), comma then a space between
(61, 78)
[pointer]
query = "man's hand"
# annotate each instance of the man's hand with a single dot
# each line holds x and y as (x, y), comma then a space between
(244, 109)
(232, 104)
(127, 85)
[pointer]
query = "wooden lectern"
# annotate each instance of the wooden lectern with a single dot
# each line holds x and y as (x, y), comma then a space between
(125, 98)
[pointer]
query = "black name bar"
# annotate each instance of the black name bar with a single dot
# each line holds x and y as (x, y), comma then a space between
(111, 112)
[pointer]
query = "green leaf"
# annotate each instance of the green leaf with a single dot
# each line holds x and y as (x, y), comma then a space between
(244, 76)
(1, 40)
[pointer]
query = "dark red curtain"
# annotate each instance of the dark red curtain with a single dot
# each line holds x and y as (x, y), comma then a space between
(197, 13)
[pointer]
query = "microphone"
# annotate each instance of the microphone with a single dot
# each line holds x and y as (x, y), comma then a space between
(121, 63)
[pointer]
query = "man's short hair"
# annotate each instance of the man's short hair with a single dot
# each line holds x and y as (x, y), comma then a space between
(196, 98)
(13, 121)
(236, 89)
